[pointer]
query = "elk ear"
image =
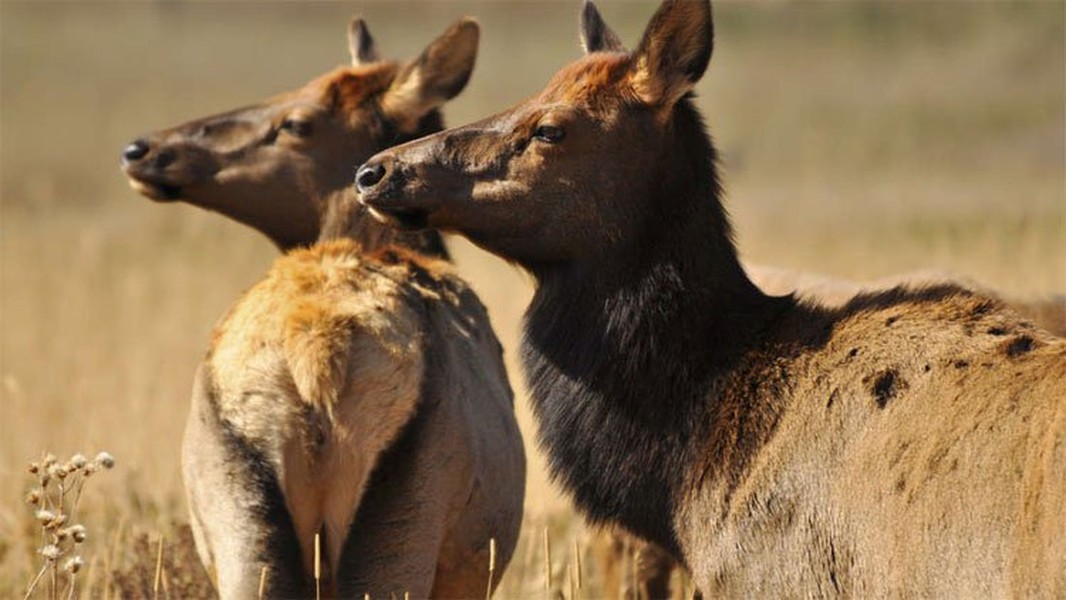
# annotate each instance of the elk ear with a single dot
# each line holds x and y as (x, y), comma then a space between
(596, 36)
(361, 44)
(674, 53)
(436, 76)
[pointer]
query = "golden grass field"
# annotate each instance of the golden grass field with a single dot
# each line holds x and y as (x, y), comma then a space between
(859, 140)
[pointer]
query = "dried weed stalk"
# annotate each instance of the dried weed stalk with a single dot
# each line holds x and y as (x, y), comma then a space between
(55, 502)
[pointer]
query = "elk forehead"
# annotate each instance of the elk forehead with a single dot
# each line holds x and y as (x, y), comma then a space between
(594, 80)
(346, 89)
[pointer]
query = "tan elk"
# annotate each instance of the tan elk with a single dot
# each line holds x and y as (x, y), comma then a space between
(357, 393)
(911, 442)
(358, 398)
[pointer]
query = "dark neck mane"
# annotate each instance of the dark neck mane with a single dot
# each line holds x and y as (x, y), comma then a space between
(622, 354)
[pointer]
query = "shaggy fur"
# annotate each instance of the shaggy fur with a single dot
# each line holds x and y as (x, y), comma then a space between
(339, 391)
(910, 442)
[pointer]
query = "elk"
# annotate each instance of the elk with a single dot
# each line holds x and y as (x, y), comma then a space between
(912, 441)
(279, 165)
(356, 398)
(358, 391)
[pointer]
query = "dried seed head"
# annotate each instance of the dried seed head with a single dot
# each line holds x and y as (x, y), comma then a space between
(78, 461)
(56, 522)
(49, 460)
(33, 498)
(50, 552)
(89, 469)
(78, 533)
(53, 469)
(62, 534)
(34, 468)
(73, 565)
(62, 472)
(45, 516)
(105, 460)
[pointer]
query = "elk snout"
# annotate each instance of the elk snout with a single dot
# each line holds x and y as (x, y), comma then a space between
(369, 175)
(161, 169)
(136, 155)
(380, 182)
(136, 150)
(379, 179)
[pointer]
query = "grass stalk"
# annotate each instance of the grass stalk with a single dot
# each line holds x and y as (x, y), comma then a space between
(158, 568)
(492, 567)
(547, 565)
(318, 568)
(36, 580)
(577, 564)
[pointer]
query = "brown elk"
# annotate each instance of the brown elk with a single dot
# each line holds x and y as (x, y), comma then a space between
(358, 398)
(277, 165)
(910, 442)
(358, 391)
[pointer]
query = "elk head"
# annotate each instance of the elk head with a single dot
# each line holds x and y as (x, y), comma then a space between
(273, 165)
(596, 161)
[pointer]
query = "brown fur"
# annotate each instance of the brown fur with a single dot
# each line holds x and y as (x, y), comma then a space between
(318, 372)
(909, 442)
(912, 414)
(655, 570)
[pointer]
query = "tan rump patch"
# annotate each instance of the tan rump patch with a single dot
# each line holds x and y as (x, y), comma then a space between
(305, 314)
(320, 365)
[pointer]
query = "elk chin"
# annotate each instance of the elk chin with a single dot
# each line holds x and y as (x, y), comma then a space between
(156, 190)
(407, 219)
(395, 208)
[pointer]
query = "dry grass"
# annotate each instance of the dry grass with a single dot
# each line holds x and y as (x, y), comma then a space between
(859, 140)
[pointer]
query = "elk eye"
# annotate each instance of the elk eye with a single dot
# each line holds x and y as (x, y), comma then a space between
(549, 133)
(297, 128)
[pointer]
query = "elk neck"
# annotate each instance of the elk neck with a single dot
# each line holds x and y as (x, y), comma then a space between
(344, 216)
(623, 352)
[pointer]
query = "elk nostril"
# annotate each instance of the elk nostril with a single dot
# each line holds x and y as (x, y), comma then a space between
(165, 158)
(369, 175)
(135, 151)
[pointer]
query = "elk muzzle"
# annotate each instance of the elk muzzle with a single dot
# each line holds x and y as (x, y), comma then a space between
(380, 183)
(162, 171)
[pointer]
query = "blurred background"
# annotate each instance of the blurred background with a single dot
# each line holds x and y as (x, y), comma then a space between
(859, 140)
